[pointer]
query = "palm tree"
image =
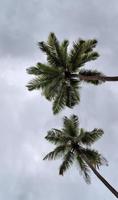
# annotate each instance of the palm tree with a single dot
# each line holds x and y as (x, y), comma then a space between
(72, 143)
(60, 78)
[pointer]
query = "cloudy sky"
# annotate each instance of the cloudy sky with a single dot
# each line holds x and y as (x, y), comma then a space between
(26, 116)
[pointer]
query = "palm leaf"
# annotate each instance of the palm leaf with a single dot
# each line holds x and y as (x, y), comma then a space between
(84, 170)
(88, 138)
(71, 126)
(89, 45)
(44, 82)
(33, 70)
(34, 84)
(59, 101)
(67, 162)
(82, 52)
(54, 44)
(52, 88)
(86, 57)
(51, 54)
(53, 41)
(72, 93)
(74, 54)
(48, 80)
(58, 152)
(41, 68)
(64, 51)
(75, 121)
(56, 136)
(94, 157)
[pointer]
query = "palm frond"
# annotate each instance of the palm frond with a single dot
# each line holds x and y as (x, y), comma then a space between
(34, 84)
(84, 170)
(86, 57)
(71, 96)
(33, 70)
(82, 52)
(59, 101)
(51, 54)
(67, 95)
(71, 126)
(56, 136)
(95, 158)
(53, 41)
(75, 121)
(72, 93)
(41, 68)
(67, 162)
(64, 51)
(58, 152)
(89, 45)
(74, 54)
(44, 82)
(91, 73)
(55, 45)
(48, 80)
(88, 138)
(52, 88)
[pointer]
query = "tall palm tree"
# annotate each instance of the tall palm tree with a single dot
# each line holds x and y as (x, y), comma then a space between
(60, 78)
(73, 144)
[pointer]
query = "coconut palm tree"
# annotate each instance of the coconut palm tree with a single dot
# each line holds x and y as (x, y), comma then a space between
(60, 78)
(73, 144)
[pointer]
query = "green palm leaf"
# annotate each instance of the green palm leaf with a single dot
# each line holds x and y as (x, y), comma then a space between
(84, 170)
(72, 96)
(88, 138)
(34, 84)
(71, 126)
(41, 68)
(58, 152)
(64, 52)
(55, 46)
(59, 101)
(82, 52)
(67, 162)
(94, 157)
(56, 136)
(51, 54)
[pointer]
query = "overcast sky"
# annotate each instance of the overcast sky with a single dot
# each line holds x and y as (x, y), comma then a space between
(26, 116)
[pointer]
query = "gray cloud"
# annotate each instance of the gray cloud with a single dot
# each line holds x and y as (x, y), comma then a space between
(25, 23)
(25, 117)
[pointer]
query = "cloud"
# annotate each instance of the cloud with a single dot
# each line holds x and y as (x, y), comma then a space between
(25, 117)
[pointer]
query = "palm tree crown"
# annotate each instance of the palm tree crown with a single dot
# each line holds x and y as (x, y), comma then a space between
(59, 79)
(72, 143)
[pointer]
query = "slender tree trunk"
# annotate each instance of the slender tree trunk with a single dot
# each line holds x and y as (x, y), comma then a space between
(79, 149)
(101, 178)
(97, 77)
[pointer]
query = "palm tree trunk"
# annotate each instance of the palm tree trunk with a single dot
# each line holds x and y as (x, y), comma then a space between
(96, 172)
(97, 77)
(101, 178)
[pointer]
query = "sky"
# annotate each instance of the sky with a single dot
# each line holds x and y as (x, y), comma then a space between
(26, 116)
